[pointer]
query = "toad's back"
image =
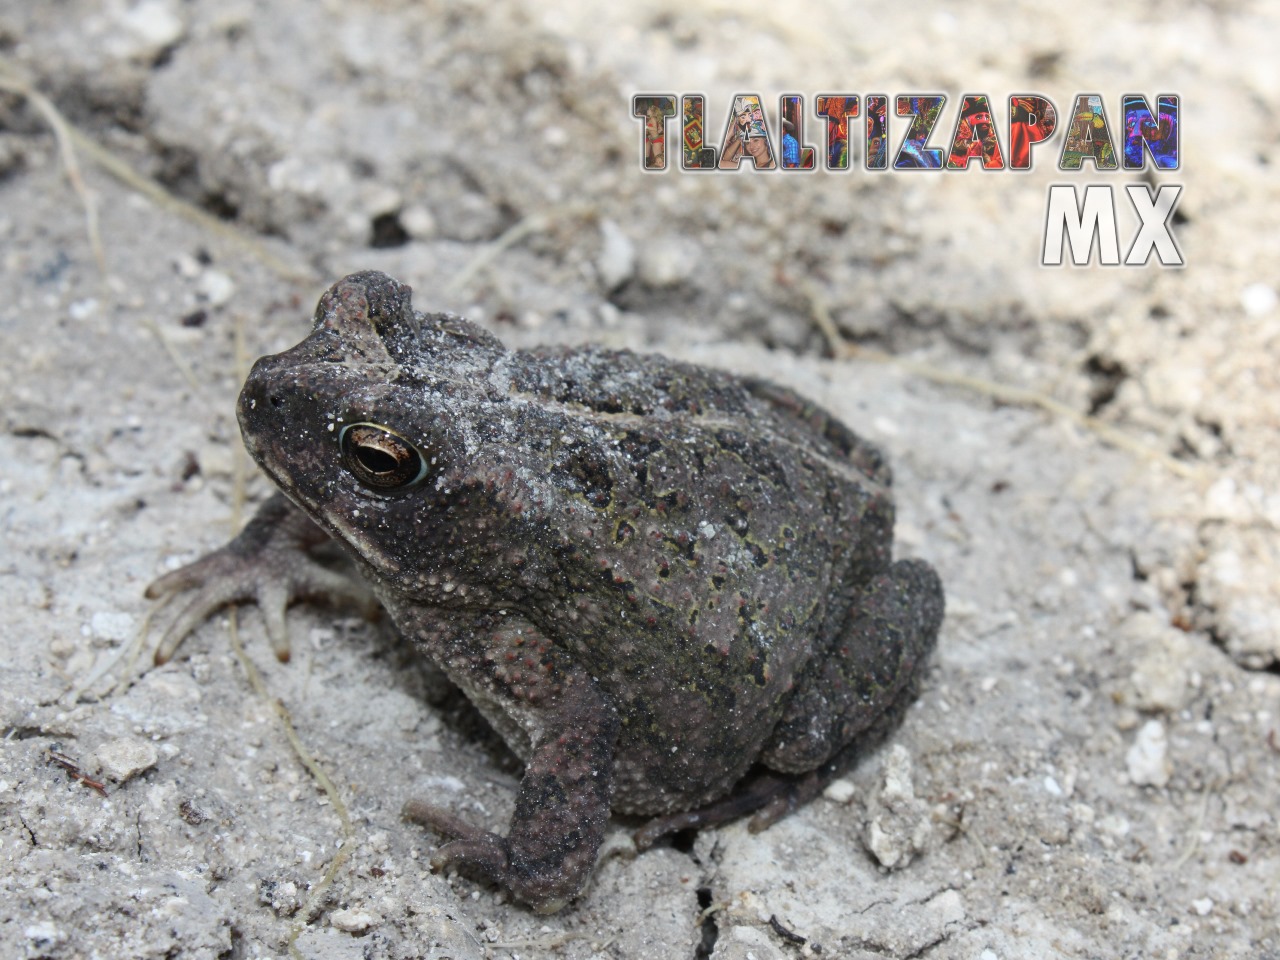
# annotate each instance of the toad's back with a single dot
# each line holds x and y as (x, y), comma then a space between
(740, 520)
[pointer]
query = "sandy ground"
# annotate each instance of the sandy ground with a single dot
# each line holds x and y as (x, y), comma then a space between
(1092, 767)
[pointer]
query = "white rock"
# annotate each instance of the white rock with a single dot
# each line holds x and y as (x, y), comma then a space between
(125, 758)
(112, 625)
(352, 921)
(1258, 299)
(840, 791)
(743, 942)
(616, 261)
(1161, 676)
(668, 262)
(188, 267)
(897, 825)
(897, 775)
(216, 287)
(44, 935)
(82, 309)
(1148, 758)
(947, 907)
(154, 25)
(309, 177)
(378, 199)
(1220, 500)
(1115, 825)
(418, 222)
(1203, 907)
(1237, 580)
(883, 846)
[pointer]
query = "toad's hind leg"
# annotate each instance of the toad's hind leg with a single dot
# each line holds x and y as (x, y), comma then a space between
(869, 666)
(853, 695)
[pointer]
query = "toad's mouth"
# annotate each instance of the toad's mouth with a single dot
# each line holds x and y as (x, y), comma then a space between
(358, 542)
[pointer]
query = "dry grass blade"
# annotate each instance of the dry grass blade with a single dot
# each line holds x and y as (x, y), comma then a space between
(534, 223)
(318, 892)
(70, 141)
(65, 136)
(155, 192)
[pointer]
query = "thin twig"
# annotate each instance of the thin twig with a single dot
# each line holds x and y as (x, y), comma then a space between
(239, 480)
(534, 223)
(1019, 396)
(317, 772)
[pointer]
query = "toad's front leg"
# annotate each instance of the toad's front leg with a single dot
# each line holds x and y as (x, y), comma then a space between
(563, 803)
(268, 562)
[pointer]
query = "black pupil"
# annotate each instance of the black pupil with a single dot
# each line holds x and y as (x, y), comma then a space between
(375, 460)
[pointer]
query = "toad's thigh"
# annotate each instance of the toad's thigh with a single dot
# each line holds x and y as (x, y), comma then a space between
(871, 664)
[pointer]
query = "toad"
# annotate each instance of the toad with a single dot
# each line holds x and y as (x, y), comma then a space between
(670, 589)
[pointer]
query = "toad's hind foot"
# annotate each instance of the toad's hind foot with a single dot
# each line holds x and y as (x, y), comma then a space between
(770, 796)
(545, 875)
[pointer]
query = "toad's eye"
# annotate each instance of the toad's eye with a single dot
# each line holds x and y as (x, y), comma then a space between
(380, 459)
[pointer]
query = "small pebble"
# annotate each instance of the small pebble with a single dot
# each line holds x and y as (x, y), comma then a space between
(839, 791)
(216, 287)
(617, 259)
(1258, 299)
(1148, 759)
(123, 759)
(351, 921)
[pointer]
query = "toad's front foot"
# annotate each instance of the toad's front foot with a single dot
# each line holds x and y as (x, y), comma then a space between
(267, 563)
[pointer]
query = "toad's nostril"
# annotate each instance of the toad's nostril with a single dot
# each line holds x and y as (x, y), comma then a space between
(277, 401)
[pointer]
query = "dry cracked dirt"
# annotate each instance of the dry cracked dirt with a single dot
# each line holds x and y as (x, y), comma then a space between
(1087, 455)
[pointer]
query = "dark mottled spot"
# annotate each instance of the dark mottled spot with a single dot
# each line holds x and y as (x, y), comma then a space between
(590, 475)
(637, 448)
(669, 503)
(684, 546)
(617, 580)
(754, 454)
(572, 391)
